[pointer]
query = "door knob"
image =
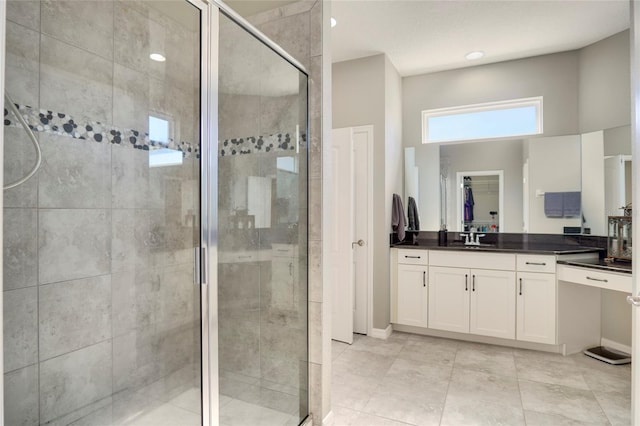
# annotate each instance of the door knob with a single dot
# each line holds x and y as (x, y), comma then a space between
(633, 300)
(359, 242)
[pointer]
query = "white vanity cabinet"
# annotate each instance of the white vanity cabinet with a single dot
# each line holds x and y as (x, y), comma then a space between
(472, 293)
(411, 288)
(536, 299)
(473, 301)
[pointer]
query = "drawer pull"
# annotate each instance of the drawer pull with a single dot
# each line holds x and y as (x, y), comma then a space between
(412, 257)
(536, 263)
(597, 279)
(245, 257)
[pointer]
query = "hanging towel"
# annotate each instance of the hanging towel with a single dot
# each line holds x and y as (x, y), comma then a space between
(412, 211)
(572, 205)
(468, 204)
(553, 204)
(397, 216)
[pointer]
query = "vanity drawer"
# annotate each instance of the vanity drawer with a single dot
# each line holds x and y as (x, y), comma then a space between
(595, 278)
(473, 259)
(413, 257)
(536, 263)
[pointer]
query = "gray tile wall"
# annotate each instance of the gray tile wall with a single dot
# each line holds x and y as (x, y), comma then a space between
(98, 287)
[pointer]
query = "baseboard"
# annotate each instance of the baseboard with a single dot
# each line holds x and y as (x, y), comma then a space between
(615, 345)
(328, 419)
(381, 333)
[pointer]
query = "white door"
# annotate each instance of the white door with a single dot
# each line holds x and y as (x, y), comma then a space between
(350, 230)
(340, 239)
(493, 303)
(449, 299)
(361, 211)
(614, 191)
(412, 295)
(535, 307)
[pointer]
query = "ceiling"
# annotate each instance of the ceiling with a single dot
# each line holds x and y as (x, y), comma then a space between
(422, 36)
(251, 7)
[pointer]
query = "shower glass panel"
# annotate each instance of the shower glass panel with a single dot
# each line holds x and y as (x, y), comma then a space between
(262, 224)
(101, 314)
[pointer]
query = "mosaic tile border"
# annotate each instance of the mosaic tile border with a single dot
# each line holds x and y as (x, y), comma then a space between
(279, 142)
(58, 123)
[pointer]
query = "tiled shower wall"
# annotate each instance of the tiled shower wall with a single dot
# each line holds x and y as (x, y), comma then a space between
(99, 300)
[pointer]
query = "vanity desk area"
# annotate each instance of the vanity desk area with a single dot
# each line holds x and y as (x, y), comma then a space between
(528, 294)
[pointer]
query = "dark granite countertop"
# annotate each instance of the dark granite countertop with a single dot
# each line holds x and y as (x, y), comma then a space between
(502, 247)
(602, 264)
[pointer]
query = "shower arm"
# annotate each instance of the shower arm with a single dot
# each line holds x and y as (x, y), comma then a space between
(12, 107)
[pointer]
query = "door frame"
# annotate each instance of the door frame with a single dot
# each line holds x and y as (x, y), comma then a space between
(460, 195)
(635, 150)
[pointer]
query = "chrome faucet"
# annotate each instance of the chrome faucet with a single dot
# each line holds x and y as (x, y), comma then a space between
(469, 239)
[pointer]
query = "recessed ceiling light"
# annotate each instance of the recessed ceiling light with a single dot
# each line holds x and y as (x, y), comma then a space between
(157, 57)
(333, 22)
(474, 55)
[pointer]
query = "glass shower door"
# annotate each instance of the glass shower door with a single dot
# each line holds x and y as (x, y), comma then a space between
(101, 312)
(262, 232)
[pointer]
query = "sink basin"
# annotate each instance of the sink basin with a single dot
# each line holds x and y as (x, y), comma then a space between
(462, 245)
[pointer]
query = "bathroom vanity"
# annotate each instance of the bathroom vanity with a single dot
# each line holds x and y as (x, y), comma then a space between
(544, 298)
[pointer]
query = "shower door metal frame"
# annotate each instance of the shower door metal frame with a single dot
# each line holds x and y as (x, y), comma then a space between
(3, 26)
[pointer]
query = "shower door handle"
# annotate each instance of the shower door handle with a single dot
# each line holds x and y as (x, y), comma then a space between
(199, 266)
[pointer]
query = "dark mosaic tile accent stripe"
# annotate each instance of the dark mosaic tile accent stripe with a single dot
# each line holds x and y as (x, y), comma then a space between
(279, 142)
(64, 125)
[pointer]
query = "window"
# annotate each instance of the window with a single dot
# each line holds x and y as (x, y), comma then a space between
(159, 132)
(518, 117)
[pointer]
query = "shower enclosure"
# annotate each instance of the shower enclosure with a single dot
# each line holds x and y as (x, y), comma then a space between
(155, 266)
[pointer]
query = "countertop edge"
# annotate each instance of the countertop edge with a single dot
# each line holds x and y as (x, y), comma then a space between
(601, 267)
(576, 250)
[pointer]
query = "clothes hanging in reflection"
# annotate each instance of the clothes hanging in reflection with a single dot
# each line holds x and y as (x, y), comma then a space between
(412, 211)
(397, 216)
(468, 204)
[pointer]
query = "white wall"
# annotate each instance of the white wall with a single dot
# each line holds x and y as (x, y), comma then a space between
(604, 89)
(551, 76)
(394, 183)
(493, 155)
(554, 166)
(367, 91)
(593, 206)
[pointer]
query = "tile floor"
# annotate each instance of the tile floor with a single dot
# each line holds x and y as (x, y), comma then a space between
(418, 380)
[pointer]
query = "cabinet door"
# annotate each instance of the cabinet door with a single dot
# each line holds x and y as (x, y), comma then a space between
(412, 295)
(536, 307)
(493, 303)
(449, 290)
